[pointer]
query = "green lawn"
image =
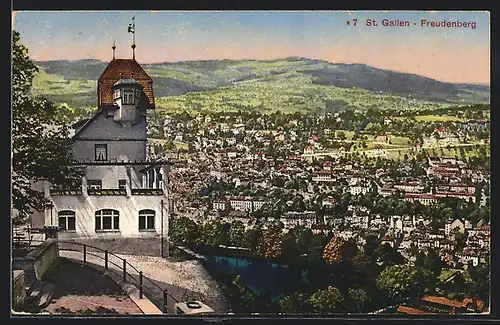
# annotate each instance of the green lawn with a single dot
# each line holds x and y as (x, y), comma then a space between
(445, 274)
(400, 141)
(181, 145)
(438, 118)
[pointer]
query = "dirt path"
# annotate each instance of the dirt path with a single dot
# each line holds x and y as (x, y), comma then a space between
(80, 288)
(184, 281)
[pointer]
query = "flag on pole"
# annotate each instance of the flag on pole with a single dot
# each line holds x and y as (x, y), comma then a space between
(131, 27)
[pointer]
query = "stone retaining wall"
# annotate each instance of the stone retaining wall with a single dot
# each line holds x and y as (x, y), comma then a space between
(39, 261)
(18, 289)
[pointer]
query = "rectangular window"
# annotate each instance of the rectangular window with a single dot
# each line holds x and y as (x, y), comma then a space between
(147, 220)
(116, 94)
(101, 152)
(107, 220)
(128, 96)
(94, 184)
(122, 184)
(67, 220)
(151, 180)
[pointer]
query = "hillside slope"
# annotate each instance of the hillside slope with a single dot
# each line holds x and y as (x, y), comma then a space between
(289, 84)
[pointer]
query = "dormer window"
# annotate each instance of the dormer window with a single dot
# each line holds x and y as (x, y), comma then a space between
(137, 94)
(128, 96)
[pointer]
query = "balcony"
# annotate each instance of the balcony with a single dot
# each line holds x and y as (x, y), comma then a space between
(144, 191)
(66, 192)
(107, 192)
(92, 191)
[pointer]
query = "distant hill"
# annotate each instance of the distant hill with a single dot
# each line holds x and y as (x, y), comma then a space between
(283, 84)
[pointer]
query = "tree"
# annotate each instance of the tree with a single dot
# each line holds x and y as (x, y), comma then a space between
(429, 259)
(273, 239)
(295, 303)
(339, 250)
(41, 146)
(253, 240)
(341, 135)
(326, 301)
(370, 247)
(246, 298)
(402, 281)
(185, 230)
(215, 233)
(389, 255)
(316, 247)
(289, 246)
(302, 237)
(236, 233)
(333, 252)
(481, 279)
(357, 301)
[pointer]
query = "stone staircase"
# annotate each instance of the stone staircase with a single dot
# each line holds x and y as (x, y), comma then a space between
(38, 295)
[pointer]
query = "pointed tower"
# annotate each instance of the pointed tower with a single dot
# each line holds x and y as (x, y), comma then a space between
(125, 91)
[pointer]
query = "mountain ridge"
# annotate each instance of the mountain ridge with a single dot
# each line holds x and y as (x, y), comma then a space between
(300, 83)
(294, 58)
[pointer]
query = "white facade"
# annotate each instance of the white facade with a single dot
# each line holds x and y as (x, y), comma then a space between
(122, 194)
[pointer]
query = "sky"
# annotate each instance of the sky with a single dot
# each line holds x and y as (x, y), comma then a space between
(450, 54)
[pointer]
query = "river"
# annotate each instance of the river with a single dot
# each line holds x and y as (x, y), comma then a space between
(260, 276)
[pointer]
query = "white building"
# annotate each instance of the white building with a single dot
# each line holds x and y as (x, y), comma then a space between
(449, 226)
(323, 176)
(239, 203)
(291, 219)
(122, 193)
(420, 197)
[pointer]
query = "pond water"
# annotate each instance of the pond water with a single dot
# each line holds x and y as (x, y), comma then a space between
(261, 276)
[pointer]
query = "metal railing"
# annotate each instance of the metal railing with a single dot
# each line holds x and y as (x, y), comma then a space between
(89, 250)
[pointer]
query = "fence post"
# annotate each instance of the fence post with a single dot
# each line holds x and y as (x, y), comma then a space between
(84, 253)
(106, 259)
(165, 297)
(124, 270)
(140, 284)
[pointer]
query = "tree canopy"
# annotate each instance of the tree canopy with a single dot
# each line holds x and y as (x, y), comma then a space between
(404, 281)
(41, 147)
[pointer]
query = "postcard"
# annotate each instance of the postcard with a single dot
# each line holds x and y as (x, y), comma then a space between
(214, 163)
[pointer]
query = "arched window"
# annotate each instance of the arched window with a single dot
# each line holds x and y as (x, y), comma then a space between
(147, 219)
(107, 219)
(67, 220)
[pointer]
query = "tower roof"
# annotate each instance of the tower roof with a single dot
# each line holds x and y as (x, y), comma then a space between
(123, 69)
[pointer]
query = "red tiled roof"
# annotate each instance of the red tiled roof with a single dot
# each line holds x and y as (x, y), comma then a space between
(420, 196)
(443, 301)
(123, 68)
(480, 303)
(412, 311)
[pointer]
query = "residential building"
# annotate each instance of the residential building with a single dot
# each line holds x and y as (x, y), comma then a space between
(422, 198)
(455, 224)
(122, 194)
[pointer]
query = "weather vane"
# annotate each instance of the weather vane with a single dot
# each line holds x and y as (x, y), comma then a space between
(131, 29)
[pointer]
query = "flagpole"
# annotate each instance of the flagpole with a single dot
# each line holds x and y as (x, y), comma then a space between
(133, 18)
(132, 30)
